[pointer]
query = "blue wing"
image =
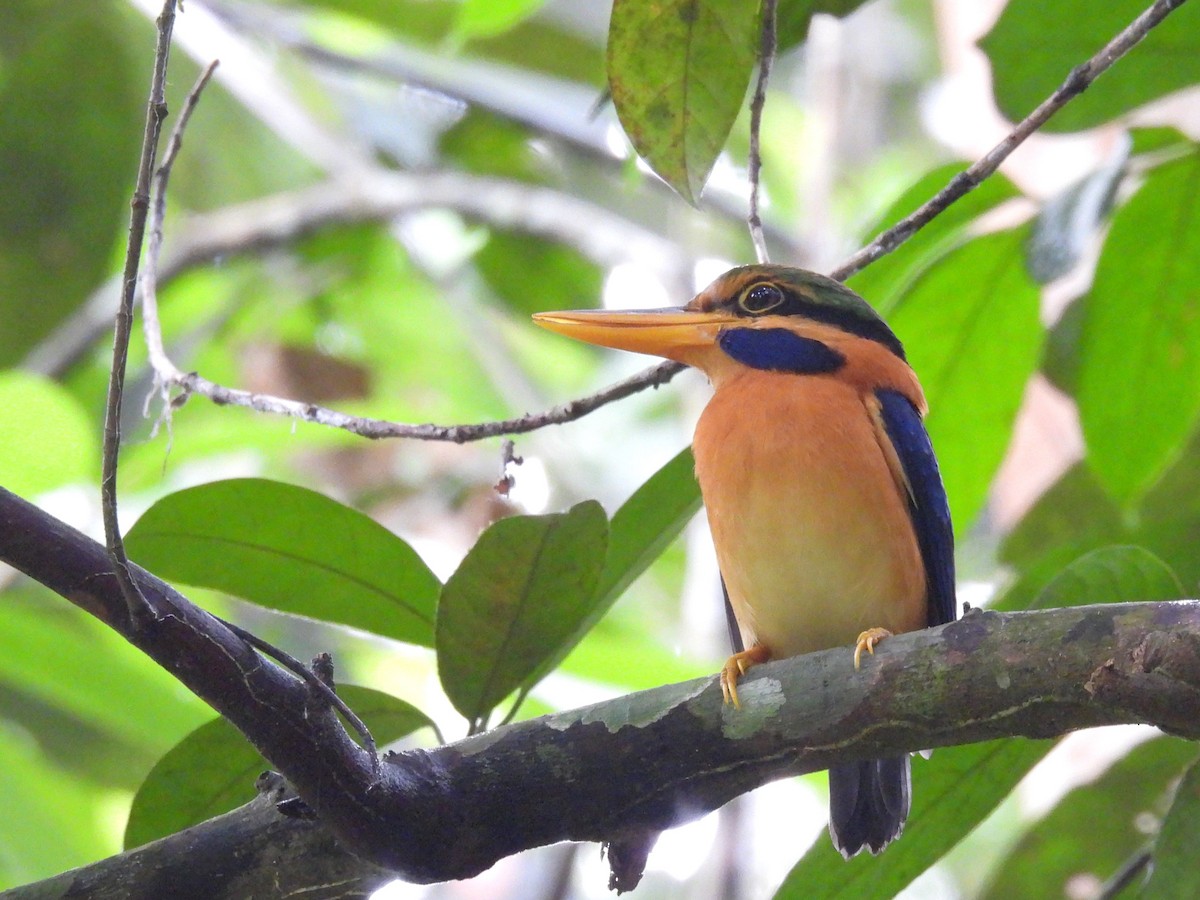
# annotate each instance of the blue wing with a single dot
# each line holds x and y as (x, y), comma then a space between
(926, 504)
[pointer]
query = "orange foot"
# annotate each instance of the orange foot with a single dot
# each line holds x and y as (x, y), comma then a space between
(867, 641)
(737, 666)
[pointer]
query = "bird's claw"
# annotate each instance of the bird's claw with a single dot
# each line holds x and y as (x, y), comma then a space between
(737, 666)
(730, 674)
(867, 641)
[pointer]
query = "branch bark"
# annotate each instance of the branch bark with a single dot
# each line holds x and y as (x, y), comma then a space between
(614, 770)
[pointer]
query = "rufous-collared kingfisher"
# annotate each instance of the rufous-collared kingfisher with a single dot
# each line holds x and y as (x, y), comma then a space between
(823, 494)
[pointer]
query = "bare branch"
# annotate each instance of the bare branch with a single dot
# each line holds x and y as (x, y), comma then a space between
(168, 375)
(293, 725)
(151, 329)
(282, 219)
(969, 179)
(766, 56)
(164, 370)
(319, 678)
(156, 111)
(1079, 79)
(150, 325)
(192, 383)
(598, 773)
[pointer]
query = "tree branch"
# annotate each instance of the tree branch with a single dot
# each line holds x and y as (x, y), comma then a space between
(885, 243)
(152, 328)
(167, 375)
(601, 773)
(156, 111)
(1077, 81)
(282, 219)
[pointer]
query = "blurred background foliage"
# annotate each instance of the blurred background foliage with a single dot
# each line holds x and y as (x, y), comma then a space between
(372, 198)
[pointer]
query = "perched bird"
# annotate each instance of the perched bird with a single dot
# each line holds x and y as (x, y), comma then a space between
(823, 494)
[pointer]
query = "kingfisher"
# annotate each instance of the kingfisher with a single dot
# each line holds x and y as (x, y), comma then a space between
(823, 494)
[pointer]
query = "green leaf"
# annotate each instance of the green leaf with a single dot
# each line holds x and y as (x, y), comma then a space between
(1168, 519)
(641, 530)
(532, 274)
(1155, 140)
(678, 72)
(488, 144)
(57, 443)
(1060, 361)
(886, 280)
(74, 664)
(485, 18)
(971, 327)
(212, 770)
(1034, 45)
(1111, 575)
(1139, 355)
(953, 792)
(1095, 827)
(793, 16)
(518, 599)
(647, 522)
(290, 549)
(540, 44)
(1074, 515)
(68, 149)
(624, 655)
(1174, 872)
(52, 820)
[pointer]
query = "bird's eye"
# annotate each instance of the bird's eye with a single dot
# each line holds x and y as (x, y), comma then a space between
(760, 298)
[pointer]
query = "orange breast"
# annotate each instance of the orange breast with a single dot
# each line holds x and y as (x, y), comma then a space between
(811, 530)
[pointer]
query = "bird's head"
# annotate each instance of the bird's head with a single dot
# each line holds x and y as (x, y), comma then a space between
(762, 317)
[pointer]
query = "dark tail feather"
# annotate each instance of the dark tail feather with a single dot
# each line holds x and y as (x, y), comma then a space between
(868, 803)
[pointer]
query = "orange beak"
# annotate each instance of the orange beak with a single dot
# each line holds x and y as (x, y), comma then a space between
(676, 333)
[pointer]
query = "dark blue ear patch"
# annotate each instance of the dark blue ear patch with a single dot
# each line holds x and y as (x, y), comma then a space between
(779, 350)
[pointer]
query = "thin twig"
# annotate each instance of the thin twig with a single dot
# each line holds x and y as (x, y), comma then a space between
(961, 184)
(508, 457)
(167, 375)
(156, 112)
(766, 56)
(1125, 876)
(522, 695)
(192, 383)
(1076, 82)
(165, 372)
(314, 682)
